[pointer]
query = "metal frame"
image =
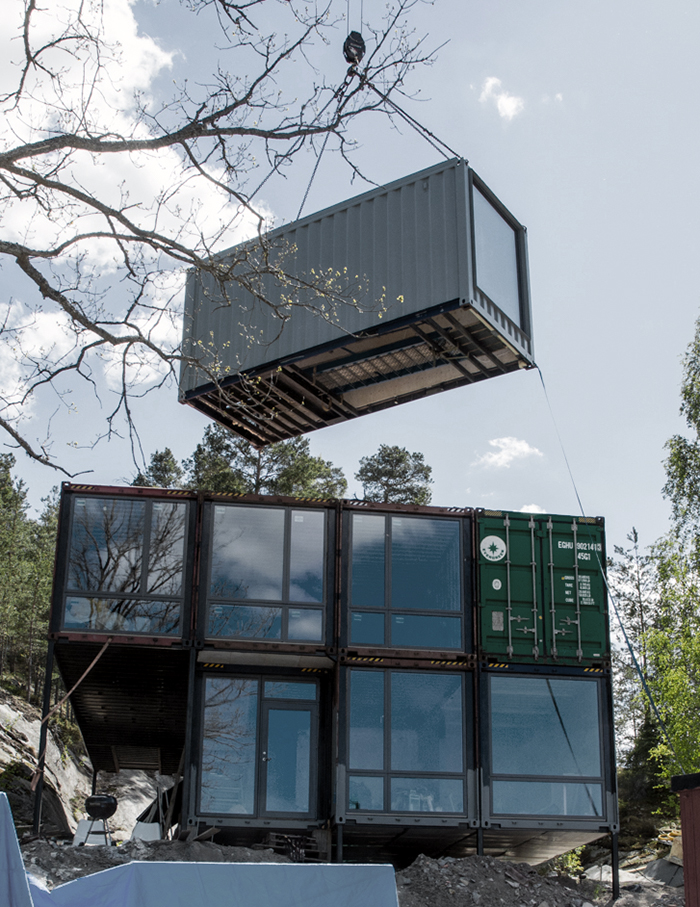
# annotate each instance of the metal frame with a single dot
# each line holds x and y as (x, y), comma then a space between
(464, 613)
(320, 755)
(285, 604)
(387, 816)
(61, 591)
(606, 823)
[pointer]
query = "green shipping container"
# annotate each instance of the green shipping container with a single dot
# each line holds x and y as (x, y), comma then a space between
(541, 591)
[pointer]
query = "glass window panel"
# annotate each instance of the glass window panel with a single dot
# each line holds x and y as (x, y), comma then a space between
(128, 616)
(426, 722)
(283, 690)
(367, 629)
(426, 631)
(546, 798)
(245, 621)
(229, 751)
(305, 623)
(106, 548)
(366, 720)
(306, 556)
(545, 726)
(166, 548)
(288, 760)
(365, 792)
(496, 257)
(247, 553)
(368, 537)
(425, 566)
(427, 795)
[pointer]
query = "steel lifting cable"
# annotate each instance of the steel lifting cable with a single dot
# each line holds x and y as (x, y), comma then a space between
(340, 95)
(611, 596)
(429, 136)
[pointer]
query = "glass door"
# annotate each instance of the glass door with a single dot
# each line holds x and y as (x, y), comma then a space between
(288, 742)
(259, 747)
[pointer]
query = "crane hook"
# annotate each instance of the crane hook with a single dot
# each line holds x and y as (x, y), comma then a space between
(354, 48)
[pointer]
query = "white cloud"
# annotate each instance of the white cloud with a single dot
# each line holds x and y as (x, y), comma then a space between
(507, 451)
(507, 105)
(532, 508)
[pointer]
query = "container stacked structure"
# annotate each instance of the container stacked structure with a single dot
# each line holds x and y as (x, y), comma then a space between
(337, 668)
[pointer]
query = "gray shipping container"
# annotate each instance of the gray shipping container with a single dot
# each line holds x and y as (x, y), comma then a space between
(407, 290)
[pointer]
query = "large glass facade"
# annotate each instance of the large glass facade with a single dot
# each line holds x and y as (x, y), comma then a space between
(126, 563)
(405, 582)
(546, 751)
(259, 745)
(406, 742)
(267, 573)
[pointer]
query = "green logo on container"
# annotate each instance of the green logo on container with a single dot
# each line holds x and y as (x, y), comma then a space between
(493, 548)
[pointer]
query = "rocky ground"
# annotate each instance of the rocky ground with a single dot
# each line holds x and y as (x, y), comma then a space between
(487, 882)
(448, 882)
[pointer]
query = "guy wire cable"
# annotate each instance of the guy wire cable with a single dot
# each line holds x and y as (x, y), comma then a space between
(635, 662)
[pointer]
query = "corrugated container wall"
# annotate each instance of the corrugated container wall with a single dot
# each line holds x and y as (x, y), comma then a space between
(541, 588)
(404, 291)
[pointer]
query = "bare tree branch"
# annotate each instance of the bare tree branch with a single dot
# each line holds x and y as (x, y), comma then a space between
(106, 197)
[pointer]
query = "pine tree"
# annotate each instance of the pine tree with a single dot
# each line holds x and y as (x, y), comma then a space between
(163, 471)
(395, 475)
(224, 463)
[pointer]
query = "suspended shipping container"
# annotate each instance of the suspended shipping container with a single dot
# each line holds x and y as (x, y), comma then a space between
(410, 289)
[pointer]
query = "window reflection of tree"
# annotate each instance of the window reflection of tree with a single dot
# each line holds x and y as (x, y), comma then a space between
(229, 744)
(232, 620)
(107, 545)
(166, 549)
(132, 615)
(107, 555)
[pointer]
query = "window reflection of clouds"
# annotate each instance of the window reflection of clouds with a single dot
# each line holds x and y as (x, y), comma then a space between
(306, 557)
(368, 534)
(426, 723)
(229, 749)
(425, 572)
(545, 726)
(248, 553)
(305, 624)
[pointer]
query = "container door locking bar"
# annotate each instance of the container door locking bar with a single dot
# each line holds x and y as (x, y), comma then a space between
(579, 650)
(509, 650)
(533, 564)
(552, 603)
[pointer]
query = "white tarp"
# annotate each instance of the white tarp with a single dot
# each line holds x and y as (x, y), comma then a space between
(230, 885)
(14, 890)
(197, 884)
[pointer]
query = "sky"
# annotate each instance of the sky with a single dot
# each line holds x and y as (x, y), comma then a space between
(582, 119)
